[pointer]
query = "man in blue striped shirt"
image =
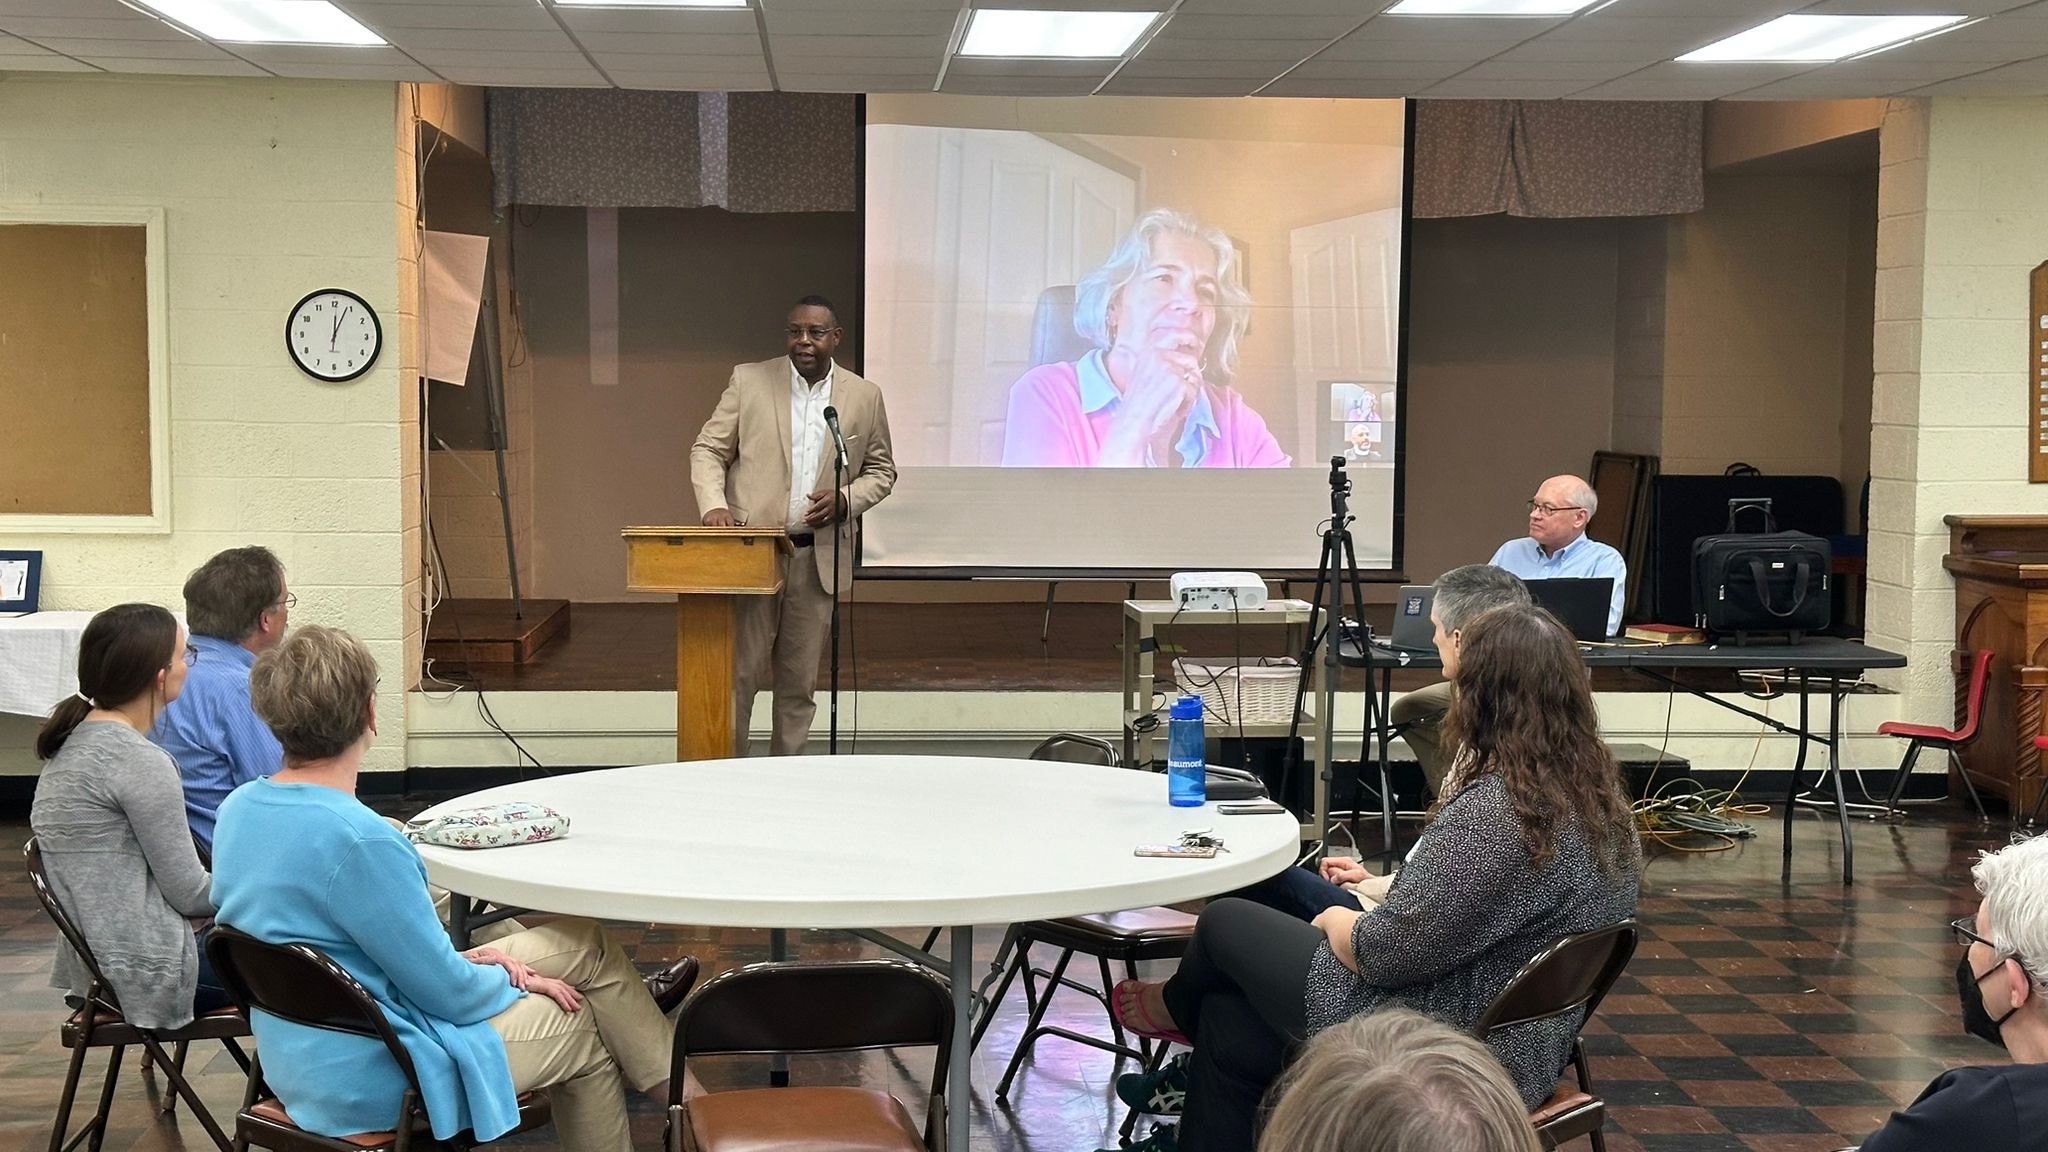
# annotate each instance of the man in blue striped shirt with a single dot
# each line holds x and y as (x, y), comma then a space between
(1557, 546)
(236, 607)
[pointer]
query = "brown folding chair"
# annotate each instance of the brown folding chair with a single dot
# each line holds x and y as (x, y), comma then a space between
(1572, 975)
(299, 983)
(789, 1008)
(98, 1023)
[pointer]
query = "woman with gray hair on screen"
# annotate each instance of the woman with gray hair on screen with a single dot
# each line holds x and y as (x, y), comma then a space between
(1165, 313)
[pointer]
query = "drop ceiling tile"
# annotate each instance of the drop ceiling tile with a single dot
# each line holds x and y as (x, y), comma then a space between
(133, 27)
(1521, 71)
(1360, 89)
(789, 45)
(1459, 89)
(471, 58)
(1250, 24)
(700, 21)
(1384, 71)
(1913, 7)
(1226, 70)
(224, 66)
(1674, 81)
(670, 44)
(584, 77)
(183, 48)
(2026, 78)
(549, 39)
(444, 16)
(1018, 85)
(1469, 52)
(48, 63)
(320, 70)
(1128, 85)
(708, 82)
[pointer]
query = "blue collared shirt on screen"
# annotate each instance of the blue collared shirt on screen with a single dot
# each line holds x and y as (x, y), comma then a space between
(1583, 557)
(212, 731)
(1098, 393)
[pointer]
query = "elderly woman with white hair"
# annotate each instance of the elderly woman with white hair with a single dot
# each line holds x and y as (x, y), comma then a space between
(1165, 313)
(2001, 978)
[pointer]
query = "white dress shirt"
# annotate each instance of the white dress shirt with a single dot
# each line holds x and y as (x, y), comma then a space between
(807, 439)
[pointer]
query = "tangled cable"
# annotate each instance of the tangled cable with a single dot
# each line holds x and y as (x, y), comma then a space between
(1671, 819)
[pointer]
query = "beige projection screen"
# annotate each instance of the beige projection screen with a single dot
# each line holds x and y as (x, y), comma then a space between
(1129, 335)
(74, 370)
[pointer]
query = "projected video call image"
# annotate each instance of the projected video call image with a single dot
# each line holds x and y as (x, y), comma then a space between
(1130, 288)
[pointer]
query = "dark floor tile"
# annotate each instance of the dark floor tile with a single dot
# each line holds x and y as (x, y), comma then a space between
(1698, 1005)
(1780, 1044)
(1706, 1068)
(1833, 1093)
(1765, 1120)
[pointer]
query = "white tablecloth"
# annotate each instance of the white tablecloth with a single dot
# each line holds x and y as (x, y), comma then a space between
(39, 660)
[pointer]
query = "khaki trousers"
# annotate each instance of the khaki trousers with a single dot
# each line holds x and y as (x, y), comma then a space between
(1423, 709)
(585, 1059)
(779, 642)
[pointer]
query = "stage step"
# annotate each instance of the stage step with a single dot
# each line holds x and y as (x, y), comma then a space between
(468, 632)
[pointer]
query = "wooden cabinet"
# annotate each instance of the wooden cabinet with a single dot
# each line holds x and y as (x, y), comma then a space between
(2000, 565)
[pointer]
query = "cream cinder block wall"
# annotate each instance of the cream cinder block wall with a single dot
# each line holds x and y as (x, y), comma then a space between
(270, 189)
(1961, 221)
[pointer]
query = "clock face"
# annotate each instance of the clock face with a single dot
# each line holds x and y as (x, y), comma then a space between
(333, 335)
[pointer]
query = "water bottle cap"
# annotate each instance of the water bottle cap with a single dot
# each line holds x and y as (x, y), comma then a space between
(1187, 708)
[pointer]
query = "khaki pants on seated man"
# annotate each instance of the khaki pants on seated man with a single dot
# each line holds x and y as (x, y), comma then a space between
(588, 1058)
(1420, 715)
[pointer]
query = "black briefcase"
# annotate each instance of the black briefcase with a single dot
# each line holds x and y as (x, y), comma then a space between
(1761, 583)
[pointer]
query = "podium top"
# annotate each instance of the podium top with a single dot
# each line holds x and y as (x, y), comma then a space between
(696, 560)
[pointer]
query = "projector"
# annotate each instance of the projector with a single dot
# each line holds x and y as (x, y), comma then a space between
(1218, 591)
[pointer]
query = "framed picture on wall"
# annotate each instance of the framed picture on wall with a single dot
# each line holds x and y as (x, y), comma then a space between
(21, 574)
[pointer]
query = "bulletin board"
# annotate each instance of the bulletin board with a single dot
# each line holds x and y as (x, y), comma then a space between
(77, 437)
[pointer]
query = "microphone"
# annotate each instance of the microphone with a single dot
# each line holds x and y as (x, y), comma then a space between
(838, 439)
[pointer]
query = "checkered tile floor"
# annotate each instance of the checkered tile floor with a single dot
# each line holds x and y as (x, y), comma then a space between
(1755, 1015)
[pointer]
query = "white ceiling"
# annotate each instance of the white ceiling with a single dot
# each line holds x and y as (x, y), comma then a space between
(1621, 51)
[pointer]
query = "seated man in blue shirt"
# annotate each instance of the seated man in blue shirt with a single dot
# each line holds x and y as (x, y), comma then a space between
(236, 607)
(2001, 978)
(1555, 547)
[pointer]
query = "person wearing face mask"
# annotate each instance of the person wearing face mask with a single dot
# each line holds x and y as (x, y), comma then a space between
(1165, 313)
(2000, 979)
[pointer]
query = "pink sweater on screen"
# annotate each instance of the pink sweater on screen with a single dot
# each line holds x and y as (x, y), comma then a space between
(1060, 414)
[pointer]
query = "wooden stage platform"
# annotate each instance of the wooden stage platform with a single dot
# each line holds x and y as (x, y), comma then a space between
(986, 647)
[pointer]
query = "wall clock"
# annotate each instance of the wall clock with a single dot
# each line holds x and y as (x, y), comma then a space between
(333, 335)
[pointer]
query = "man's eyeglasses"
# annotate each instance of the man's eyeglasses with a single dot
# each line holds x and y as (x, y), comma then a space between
(1965, 929)
(1543, 509)
(815, 335)
(191, 655)
(291, 600)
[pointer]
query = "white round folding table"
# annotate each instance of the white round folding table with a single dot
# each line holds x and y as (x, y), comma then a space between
(862, 842)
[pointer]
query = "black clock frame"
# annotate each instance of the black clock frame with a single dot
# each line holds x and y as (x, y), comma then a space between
(376, 325)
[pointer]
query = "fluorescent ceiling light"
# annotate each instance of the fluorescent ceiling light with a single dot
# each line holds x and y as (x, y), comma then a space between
(1821, 38)
(650, 3)
(1072, 35)
(266, 21)
(1488, 7)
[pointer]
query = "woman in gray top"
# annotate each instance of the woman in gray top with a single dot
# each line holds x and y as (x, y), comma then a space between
(109, 815)
(1532, 841)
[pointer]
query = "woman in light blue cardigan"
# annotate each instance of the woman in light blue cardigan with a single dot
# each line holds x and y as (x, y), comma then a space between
(297, 858)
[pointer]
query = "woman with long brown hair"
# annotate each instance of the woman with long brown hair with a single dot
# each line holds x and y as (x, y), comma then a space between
(1532, 841)
(109, 815)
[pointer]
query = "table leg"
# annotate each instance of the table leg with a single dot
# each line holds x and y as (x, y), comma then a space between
(1835, 770)
(458, 921)
(1385, 726)
(778, 1065)
(1792, 790)
(959, 1086)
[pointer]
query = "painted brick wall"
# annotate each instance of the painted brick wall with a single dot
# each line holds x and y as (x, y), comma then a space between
(270, 189)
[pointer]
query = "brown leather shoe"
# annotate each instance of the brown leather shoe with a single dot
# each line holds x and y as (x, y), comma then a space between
(671, 984)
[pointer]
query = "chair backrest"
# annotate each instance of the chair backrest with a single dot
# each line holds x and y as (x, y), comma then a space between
(789, 1007)
(1074, 748)
(302, 984)
(1574, 973)
(39, 879)
(1053, 339)
(1973, 704)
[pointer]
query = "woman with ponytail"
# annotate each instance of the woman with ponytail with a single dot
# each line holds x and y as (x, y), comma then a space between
(109, 815)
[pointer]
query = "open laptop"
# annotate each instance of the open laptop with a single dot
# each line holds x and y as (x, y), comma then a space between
(1580, 602)
(1413, 631)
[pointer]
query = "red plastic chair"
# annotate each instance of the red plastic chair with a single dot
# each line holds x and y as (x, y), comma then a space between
(1918, 736)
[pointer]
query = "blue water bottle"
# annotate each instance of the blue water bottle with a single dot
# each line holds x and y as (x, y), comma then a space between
(1187, 764)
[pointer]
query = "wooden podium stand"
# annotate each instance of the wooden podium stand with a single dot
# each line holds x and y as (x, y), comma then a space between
(2000, 565)
(706, 568)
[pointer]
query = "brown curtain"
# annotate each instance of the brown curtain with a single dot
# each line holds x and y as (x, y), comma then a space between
(743, 151)
(1557, 158)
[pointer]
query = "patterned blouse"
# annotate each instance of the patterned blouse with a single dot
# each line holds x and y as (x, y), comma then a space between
(1465, 913)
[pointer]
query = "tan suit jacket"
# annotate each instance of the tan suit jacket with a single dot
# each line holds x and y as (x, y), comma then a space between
(741, 459)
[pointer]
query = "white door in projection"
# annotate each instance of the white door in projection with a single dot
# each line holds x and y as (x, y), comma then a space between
(1347, 276)
(1034, 216)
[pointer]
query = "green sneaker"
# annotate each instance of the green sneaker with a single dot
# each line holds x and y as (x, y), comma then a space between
(1160, 1093)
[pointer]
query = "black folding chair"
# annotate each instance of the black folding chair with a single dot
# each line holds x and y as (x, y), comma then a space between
(783, 1008)
(98, 1023)
(299, 983)
(1571, 976)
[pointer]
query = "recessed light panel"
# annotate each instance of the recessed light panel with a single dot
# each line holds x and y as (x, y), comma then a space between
(650, 3)
(266, 21)
(1820, 38)
(1041, 34)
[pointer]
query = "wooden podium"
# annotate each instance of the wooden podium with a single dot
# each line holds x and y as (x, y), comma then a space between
(706, 568)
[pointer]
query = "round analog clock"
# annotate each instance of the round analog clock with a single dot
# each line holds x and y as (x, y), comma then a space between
(333, 335)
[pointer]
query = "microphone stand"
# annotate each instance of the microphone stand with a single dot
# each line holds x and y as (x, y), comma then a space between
(838, 488)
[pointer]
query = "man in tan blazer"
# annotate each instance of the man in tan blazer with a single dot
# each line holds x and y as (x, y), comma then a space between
(765, 458)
